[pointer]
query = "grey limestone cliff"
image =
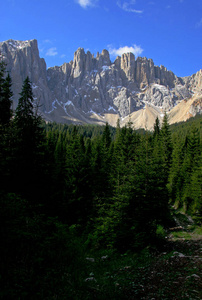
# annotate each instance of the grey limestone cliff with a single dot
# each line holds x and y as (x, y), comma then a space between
(22, 59)
(91, 85)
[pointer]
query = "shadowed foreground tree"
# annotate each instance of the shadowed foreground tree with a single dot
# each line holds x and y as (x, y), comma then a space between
(28, 145)
(5, 96)
(5, 126)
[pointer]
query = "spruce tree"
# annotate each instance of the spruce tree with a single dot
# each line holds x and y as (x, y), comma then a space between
(166, 146)
(25, 111)
(166, 140)
(5, 101)
(106, 137)
(5, 128)
(28, 144)
(191, 164)
(156, 128)
(175, 182)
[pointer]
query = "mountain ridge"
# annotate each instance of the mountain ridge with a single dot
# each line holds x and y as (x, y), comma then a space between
(92, 89)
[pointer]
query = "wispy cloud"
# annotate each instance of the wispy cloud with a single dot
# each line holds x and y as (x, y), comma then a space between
(136, 50)
(52, 51)
(47, 41)
(86, 3)
(199, 24)
(128, 6)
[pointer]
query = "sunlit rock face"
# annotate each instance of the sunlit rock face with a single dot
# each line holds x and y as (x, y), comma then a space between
(93, 89)
(22, 59)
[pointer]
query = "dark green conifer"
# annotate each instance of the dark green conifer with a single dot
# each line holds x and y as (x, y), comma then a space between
(5, 101)
(28, 143)
(156, 128)
(166, 139)
(106, 137)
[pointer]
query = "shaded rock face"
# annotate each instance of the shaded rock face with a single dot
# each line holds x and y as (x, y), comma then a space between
(145, 73)
(94, 85)
(22, 59)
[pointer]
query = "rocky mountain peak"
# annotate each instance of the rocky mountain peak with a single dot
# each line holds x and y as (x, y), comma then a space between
(14, 45)
(22, 60)
(197, 81)
(89, 61)
(103, 59)
(78, 62)
(128, 65)
(94, 90)
(145, 73)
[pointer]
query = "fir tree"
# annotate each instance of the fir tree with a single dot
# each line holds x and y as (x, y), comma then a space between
(106, 137)
(175, 182)
(156, 128)
(156, 134)
(28, 144)
(2, 73)
(191, 163)
(5, 128)
(166, 146)
(25, 108)
(5, 101)
(166, 139)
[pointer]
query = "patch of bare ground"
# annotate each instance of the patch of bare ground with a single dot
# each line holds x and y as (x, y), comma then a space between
(178, 276)
(174, 274)
(170, 271)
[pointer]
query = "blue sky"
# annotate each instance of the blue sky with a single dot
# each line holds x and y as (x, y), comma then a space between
(168, 31)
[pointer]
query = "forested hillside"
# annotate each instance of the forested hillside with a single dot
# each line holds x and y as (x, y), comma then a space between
(69, 190)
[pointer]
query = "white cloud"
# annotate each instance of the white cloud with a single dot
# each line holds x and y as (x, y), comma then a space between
(126, 6)
(86, 3)
(52, 52)
(136, 50)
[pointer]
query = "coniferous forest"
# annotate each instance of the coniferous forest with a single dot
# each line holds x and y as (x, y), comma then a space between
(71, 192)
